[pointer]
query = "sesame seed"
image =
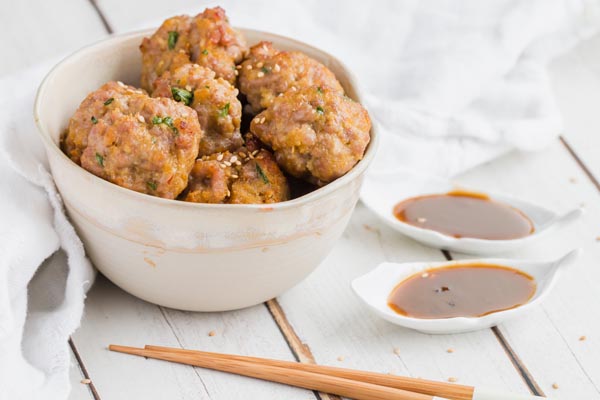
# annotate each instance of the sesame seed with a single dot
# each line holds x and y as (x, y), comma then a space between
(236, 72)
(293, 88)
(223, 166)
(238, 163)
(233, 159)
(263, 120)
(425, 275)
(555, 386)
(141, 118)
(259, 64)
(260, 74)
(227, 163)
(249, 66)
(212, 333)
(220, 157)
(255, 152)
(582, 338)
(242, 154)
(396, 350)
(452, 379)
(86, 381)
(234, 176)
(280, 94)
(196, 65)
(238, 67)
(340, 358)
(120, 84)
(421, 220)
(228, 193)
(276, 68)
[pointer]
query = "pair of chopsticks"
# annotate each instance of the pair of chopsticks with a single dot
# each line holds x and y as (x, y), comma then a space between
(360, 385)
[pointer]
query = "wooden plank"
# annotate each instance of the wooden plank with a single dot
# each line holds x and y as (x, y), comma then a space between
(338, 330)
(79, 391)
(112, 316)
(576, 79)
(547, 340)
(34, 30)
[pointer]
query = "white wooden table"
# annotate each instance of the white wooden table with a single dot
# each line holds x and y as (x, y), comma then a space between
(320, 320)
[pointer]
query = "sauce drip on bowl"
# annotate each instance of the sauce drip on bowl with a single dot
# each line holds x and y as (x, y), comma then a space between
(465, 214)
(464, 290)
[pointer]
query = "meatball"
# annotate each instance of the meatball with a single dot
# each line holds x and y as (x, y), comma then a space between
(267, 72)
(206, 39)
(316, 133)
(146, 144)
(214, 99)
(241, 177)
(167, 48)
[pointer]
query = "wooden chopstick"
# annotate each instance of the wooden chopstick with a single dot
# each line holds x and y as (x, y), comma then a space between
(295, 377)
(432, 388)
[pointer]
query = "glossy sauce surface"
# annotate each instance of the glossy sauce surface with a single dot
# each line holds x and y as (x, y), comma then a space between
(465, 214)
(463, 290)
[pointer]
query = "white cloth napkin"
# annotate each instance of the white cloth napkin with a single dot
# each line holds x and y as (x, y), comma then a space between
(451, 84)
(44, 273)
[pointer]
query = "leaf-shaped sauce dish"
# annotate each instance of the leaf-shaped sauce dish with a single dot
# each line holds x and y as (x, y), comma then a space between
(376, 288)
(384, 192)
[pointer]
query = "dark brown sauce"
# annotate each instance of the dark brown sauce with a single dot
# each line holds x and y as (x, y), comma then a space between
(465, 214)
(464, 290)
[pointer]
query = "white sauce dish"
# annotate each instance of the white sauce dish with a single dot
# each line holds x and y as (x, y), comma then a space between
(383, 190)
(375, 287)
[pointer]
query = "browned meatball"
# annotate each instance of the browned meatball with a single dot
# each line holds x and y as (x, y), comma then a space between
(206, 39)
(215, 101)
(317, 134)
(215, 44)
(121, 134)
(267, 72)
(241, 177)
(168, 47)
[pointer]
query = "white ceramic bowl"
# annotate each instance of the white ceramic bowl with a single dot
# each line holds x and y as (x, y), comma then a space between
(198, 257)
(383, 190)
(374, 288)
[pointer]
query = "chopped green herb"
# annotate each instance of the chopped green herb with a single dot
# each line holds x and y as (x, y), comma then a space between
(320, 89)
(168, 121)
(94, 120)
(151, 185)
(184, 96)
(100, 159)
(320, 110)
(265, 70)
(224, 111)
(205, 52)
(208, 87)
(107, 102)
(261, 173)
(172, 41)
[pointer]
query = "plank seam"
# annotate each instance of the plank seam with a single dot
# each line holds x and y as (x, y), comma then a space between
(518, 363)
(580, 163)
(84, 370)
(510, 352)
(102, 17)
(299, 349)
(195, 369)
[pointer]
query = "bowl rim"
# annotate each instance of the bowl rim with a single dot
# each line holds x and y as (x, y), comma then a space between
(313, 196)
